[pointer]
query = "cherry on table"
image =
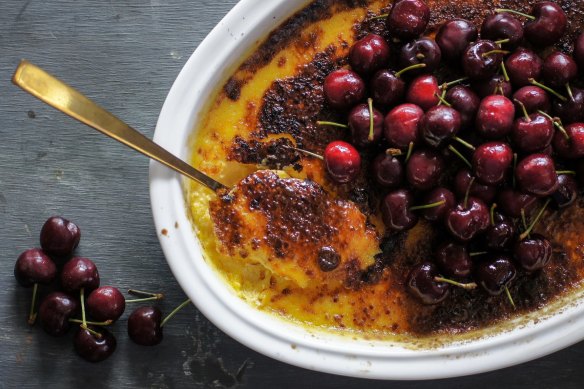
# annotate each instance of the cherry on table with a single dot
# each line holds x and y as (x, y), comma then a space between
(421, 51)
(55, 311)
(533, 98)
(435, 196)
(59, 236)
(439, 125)
(464, 178)
(501, 234)
(79, 273)
(502, 26)
(388, 170)
(408, 19)
(494, 85)
(523, 65)
(570, 142)
(343, 89)
(567, 191)
(362, 133)
(369, 54)
(511, 202)
(106, 303)
(495, 117)
(93, 348)
(468, 219)
(422, 284)
(144, 326)
(570, 110)
(482, 59)
(559, 69)
(342, 161)
(495, 274)
(423, 91)
(454, 260)
(490, 162)
(532, 132)
(424, 169)
(533, 253)
(536, 174)
(549, 25)
(464, 100)
(454, 36)
(401, 125)
(34, 267)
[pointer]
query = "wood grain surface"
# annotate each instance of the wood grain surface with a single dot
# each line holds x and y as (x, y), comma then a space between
(125, 54)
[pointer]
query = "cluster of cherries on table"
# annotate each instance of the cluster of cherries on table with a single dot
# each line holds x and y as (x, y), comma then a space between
(53, 264)
(512, 120)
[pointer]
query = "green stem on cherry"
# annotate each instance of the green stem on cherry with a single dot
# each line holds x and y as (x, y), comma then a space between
(427, 206)
(526, 233)
(371, 133)
(527, 118)
(467, 194)
(459, 155)
(332, 124)
(569, 90)
(140, 300)
(420, 56)
(509, 297)
(500, 42)
(82, 299)
(382, 16)
(512, 11)
(310, 153)
(409, 153)
(532, 81)
(464, 143)
(95, 333)
(571, 172)
(447, 85)
(32, 314)
(505, 74)
(174, 311)
(492, 213)
(524, 219)
(142, 293)
(496, 51)
(477, 253)
(93, 323)
(411, 67)
(468, 286)
(442, 98)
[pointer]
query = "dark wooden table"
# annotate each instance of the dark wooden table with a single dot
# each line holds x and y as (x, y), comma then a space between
(125, 54)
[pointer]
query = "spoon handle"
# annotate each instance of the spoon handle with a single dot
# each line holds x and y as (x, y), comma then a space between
(68, 100)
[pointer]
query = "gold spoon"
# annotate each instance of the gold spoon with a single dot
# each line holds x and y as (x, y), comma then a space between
(68, 100)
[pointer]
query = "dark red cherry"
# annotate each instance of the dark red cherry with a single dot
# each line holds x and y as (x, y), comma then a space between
(567, 191)
(454, 260)
(533, 98)
(549, 25)
(439, 125)
(454, 36)
(466, 102)
(144, 326)
(342, 161)
(93, 349)
(495, 85)
(401, 125)
(511, 202)
(423, 91)
(500, 235)
(360, 126)
(424, 169)
(388, 171)
(408, 19)
(105, 303)
(395, 210)
(59, 236)
(501, 26)
(343, 88)
(34, 267)
(421, 283)
(532, 133)
(495, 117)
(423, 50)
(435, 196)
(490, 162)
(523, 65)
(579, 51)
(536, 174)
(482, 59)
(533, 253)
(79, 273)
(369, 54)
(495, 274)
(572, 146)
(387, 89)
(571, 110)
(466, 221)
(559, 69)
(55, 311)
(463, 179)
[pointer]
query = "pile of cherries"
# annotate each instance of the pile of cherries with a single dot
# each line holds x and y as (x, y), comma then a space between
(71, 278)
(479, 155)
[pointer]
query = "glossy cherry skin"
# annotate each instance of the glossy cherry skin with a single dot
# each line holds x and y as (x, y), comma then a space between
(421, 283)
(435, 196)
(79, 273)
(408, 19)
(454, 260)
(533, 253)
(144, 326)
(359, 123)
(464, 100)
(500, 26)
(439, 125)
(454, 36)
(388, 171)
(387, 89)
(466, 222)
(59, 236)
(463, 179)
(490, 162)
(495, 117)
(422, 50)
(395, 210)
(495, 274)
(522, 65)
(342, 161)
(423, 91)
(548, 27)
(500, 235)
(511, 202)
(579, 51)
(559, 69)
(477, 64)
(533, 98)
(34, 267)
(573, 147)
(401, 125)
(495, 85)
(567, 192)
(536, 174)
(369, 54)
(343, 89)
(55, 311)
(424, 169)
(94, 349)
(571, 110)
(533, 134)
(105, 303)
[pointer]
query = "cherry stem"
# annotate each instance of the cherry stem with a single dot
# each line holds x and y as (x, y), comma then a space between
(93, 323)
(505, 74)
(409, 153)
(83, 318)
(371, 134)
(459, 155)
(428, 206)
(159, 297)
(512, 11)
(572, 172)
(442, 99)
(569, 90)
(467, 194)
(524, 219)
(492, 213)
(500, 42)
(446, 85)
(464, 143)
(332, 124)
(411, 67)
(309, 153)
(141, 293)
(174, 311)
(477, 253)
(532, 81)
(380, 16)
(534, 222)
(95, 333)
(394, 152)
(420, 56)
(509, 297)
(499, 88)
(32, 315)
(496, 51)
(527, 118)
(469, 286)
